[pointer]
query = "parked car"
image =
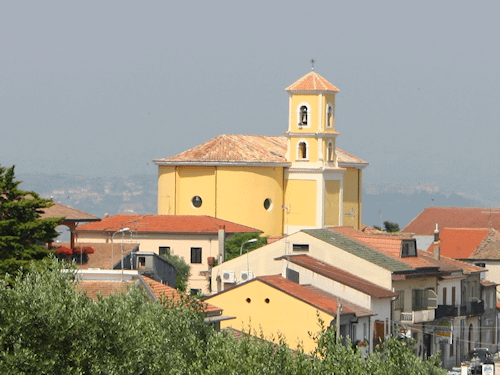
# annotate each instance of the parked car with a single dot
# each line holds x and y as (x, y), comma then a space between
(476, 358)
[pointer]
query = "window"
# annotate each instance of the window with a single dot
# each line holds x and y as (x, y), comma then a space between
(196, 201)
(432, 300)
(142, 261)
(302, 150)
(292, 275)
(196, 255)
(303, 115)
(164, 250)
(194, 292)
(300, 247)
(445, 299)
(268, 204)
(419, 299)
(330, 151)
(408, 248)
(480, 264)
(329, 115)
(453, 294)
(399, 303)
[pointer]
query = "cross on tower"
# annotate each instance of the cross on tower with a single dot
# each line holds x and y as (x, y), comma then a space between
(312, 64)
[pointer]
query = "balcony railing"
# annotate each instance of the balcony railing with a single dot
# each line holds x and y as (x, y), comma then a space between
(417, 316)
(469, 308)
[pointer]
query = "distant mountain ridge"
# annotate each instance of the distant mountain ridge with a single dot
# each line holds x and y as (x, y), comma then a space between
(137, 194)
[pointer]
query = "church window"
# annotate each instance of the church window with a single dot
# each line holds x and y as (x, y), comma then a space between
(303, 113)
(196, 201)
(302, 150)
(330, 151)
(329, 115)
(268, 204)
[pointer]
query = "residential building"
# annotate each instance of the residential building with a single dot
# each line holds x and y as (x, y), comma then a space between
(278, 184)
(199, 240)
(279, 308)
(425, 283)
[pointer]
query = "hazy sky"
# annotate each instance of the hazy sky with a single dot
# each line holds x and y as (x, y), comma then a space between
(104, 87)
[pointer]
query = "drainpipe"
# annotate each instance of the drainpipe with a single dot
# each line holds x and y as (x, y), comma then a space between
(221, 242)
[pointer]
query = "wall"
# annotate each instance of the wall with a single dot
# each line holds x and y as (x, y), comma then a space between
(272, 317)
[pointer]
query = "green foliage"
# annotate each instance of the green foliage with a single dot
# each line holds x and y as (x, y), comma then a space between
(183, 271)
(390, 227)
(22, 232)
(48, 327)
(233, 244)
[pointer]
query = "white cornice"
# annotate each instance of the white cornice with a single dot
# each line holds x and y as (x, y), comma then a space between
(317, 135)
(353, 165)
(222, 163)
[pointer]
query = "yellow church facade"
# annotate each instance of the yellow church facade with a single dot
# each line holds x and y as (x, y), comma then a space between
(278, 184)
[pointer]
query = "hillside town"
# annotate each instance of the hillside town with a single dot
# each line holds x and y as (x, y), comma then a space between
(433, 282)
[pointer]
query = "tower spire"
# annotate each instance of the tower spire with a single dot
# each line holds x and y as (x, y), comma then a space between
(312, 64)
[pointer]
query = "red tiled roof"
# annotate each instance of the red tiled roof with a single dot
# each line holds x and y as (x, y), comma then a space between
(339, 275)
(69, 213)
(160, 290)
(487, 283)
(103, 287)
(302, 293)
(165, 224)
(390, 244)
(358, 310)
(460, 243)
(453, 217)
(239, 148)
(312, 81)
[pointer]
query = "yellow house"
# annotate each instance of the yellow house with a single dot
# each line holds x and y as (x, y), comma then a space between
(278, 184)
(273, 306)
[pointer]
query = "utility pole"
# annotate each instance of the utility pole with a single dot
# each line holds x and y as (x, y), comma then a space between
(339, 310)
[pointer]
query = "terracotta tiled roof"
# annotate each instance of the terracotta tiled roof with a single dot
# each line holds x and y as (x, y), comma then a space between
(244, 149)
(487, 283)
(460, 243)
(312, 81)
(165, 224)
(358, 310)
(235, 148)
(384, 250)
(101, 259)
(453, 217)
(449, 264)
(339, 237)
(69, 213)
(302, 293)
(339, 275)
(103, 287)
(160, 290)
(489, 248)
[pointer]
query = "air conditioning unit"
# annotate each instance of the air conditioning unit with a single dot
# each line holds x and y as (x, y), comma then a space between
(246, 275)
(228, 277)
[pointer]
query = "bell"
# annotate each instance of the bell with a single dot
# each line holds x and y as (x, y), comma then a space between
(304, 118)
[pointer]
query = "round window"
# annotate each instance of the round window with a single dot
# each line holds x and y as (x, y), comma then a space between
(268, 204)
(196, 201)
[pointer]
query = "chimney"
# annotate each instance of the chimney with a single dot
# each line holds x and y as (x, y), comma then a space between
(222, 243)
(436, 243)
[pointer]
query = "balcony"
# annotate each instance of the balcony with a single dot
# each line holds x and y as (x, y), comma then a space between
(469, 308)
(421, 316)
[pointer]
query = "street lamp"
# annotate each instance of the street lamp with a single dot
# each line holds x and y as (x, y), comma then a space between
(249, 241)
(122, 231)
(241, 251)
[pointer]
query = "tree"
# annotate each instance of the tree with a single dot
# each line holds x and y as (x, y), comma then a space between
(182, 273)
(22, 232)
(390, 227)
(48, 327)
(233, 245)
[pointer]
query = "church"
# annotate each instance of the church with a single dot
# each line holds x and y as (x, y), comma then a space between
(278, 184)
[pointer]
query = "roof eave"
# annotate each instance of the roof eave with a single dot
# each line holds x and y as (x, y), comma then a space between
(222, 163)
